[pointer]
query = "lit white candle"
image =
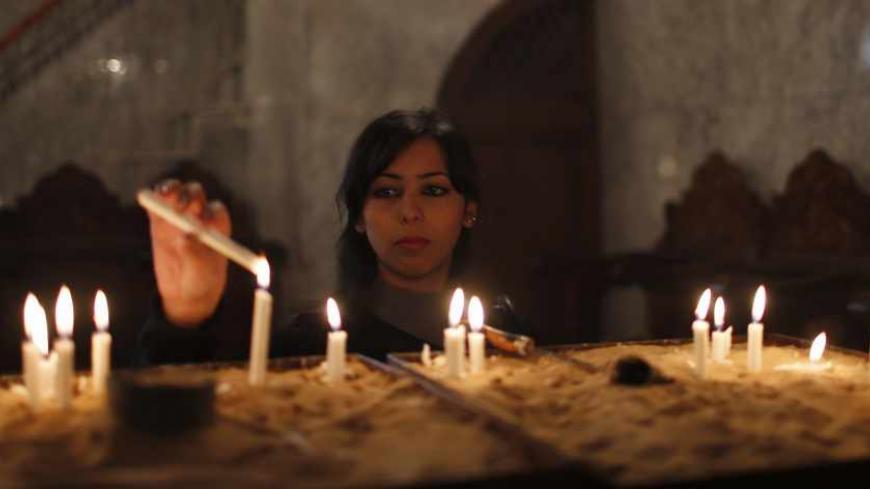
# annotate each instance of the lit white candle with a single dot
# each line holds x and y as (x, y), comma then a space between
(30, 355)
(101, 344)
(64, 346)
(701, 334)
(261, 325)
(815, 364)
(336, 346)
(454, 337)
(755, 332)
(44, 365)
(476, 339)
(721, 336)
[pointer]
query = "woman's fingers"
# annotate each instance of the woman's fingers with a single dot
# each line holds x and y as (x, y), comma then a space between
(215, 215)
(195, 199)
(185, 198)
(167, 187)
(189, 198)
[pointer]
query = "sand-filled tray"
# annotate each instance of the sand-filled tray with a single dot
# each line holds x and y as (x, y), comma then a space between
(670, 427)
(377, 428)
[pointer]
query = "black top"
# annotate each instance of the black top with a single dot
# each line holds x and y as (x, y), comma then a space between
(384, 320)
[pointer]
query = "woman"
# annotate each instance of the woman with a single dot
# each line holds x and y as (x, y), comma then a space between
(410, 197)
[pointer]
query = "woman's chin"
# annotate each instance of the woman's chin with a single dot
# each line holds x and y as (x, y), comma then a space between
(414, 268)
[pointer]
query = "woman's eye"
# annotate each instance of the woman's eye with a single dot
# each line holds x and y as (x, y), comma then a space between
(435, 190)
(385, 192)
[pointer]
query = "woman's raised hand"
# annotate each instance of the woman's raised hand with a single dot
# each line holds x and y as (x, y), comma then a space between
(190, 276)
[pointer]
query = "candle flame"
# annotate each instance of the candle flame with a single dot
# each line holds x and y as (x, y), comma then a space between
(101, 311)
(457, 305)
(332, 314)
(475, 314)
(35, 323)
(31, 308)
(703, 305)
(264, 273)
(758, 304)
(64, 315)
(818, 347)
(719, 313)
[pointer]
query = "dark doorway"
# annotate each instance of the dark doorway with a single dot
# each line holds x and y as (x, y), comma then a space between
(523, 88)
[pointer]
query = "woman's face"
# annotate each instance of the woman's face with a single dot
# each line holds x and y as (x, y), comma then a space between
(413, 216)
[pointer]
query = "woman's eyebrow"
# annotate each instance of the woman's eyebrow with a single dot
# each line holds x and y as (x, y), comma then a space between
(431, 174)
(395, 176)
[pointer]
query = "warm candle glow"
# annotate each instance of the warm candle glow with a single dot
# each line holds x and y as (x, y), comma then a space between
(36, 323)
(332, 314)
(457, 305)
(31, 306)
(818, 347)
(703, 305)
(719, 313)
(264, 273)
(758, 304)
(475, 314)
(63, 313)
(101, 311)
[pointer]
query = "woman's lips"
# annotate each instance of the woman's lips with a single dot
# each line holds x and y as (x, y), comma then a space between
(412, 242)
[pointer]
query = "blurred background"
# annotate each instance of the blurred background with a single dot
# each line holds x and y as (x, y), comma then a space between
(633, 152)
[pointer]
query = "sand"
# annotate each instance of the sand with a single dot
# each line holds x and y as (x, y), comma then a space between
(372, 429)
(685, 429)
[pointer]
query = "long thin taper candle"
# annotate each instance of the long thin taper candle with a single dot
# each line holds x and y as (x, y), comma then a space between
(216, 241)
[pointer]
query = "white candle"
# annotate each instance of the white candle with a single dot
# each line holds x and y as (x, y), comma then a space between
(815, 363)
(43, 372)
(261, 325)
(29, 352)
(64, 346)
(728, 334)
(213, 239)
(29, 356)
(755, 332)
(426, 355)
(453, 336)
(336, 346)
(476, 339)
(46, 368)
(463, 341)
(701, 334)
(101, 344)
(720, 338)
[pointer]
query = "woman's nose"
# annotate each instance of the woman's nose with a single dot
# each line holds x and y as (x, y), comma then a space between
(410, 209)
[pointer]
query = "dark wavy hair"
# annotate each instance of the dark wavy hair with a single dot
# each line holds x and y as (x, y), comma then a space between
(372, 152)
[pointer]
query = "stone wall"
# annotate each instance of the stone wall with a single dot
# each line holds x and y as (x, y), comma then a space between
(764, 81)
